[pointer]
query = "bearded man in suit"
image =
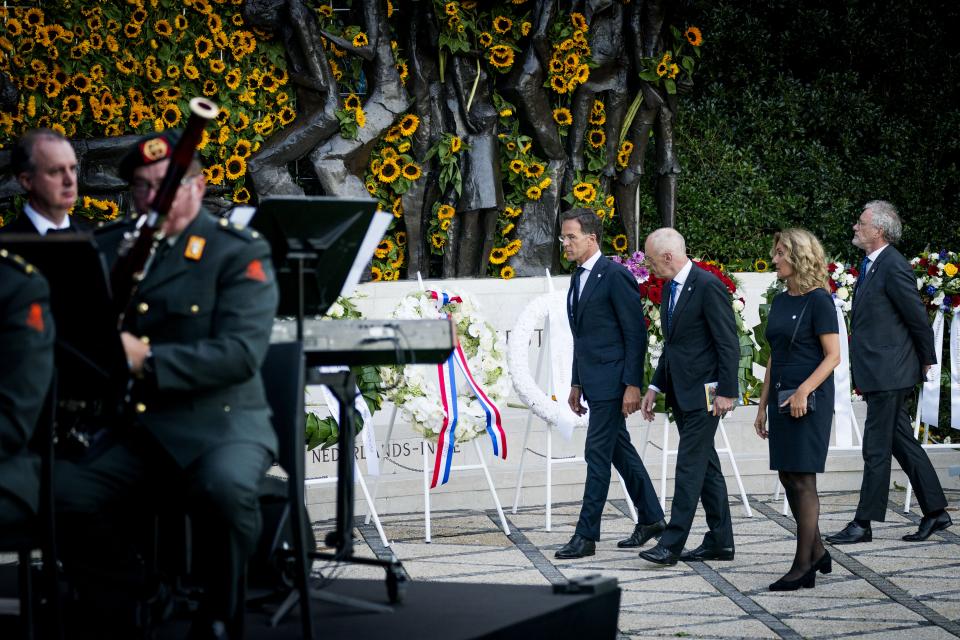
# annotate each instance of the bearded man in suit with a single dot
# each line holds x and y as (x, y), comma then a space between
(609, 346)
(891, 350)
(45, 165)
(700, 352)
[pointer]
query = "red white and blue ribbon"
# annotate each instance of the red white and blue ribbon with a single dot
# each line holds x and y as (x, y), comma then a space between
(446, 377)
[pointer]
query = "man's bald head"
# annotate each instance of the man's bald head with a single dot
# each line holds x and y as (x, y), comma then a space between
(666, 252)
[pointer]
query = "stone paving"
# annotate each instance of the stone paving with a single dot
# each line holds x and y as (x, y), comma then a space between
(883, 589)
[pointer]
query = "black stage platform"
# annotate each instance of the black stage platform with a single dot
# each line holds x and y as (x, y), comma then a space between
(448, 610)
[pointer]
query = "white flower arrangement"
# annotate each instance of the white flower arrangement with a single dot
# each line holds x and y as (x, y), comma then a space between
(415, 389)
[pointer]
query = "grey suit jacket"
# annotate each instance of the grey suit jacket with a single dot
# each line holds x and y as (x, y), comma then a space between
(891, 339)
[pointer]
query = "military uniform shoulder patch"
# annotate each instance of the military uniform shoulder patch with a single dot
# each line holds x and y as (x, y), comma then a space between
(255, 271)
(35, 317)
(12, 259)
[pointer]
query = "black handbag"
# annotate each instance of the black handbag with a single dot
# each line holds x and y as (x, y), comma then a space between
(784, 394)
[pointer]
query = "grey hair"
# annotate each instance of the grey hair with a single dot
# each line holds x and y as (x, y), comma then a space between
(668, 239)
(21, 156)
(886, 218)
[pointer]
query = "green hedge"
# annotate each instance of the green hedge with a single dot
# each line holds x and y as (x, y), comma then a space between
(802, 114)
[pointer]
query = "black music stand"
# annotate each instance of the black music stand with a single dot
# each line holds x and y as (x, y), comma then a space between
(314, 240)
(90, 361)
(316, 244)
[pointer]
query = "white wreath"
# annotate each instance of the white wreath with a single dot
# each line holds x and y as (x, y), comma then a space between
(416, 391)
(543, 403)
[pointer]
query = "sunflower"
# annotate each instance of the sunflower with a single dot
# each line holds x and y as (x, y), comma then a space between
(498, 256)
(508, 228)
(626, 147)
(214, 22)
(445, 212)
(558, 84)
(546, 182)
(397, 208)
(486, 39)
(445, 225)
(572, 61)
(583, 74)
(209, 87)
(578, 21)
(455, 144)
(203, 46)
(525, 28)
(131, 30)
(397, 263)
(403, 70)
(180, 22)
(237, 20)
(241, 195)
(619, 243)
(501, 56)
(243, 148)
(401, 238)
(760, 265)
(562, 116)
(411, 171)
(360, 40)
(662, 69)
(161, 28)
(502, 24)
(81, 83)
(235, 167)
(352, 101)
(516, 166)
(507, 272)
(450, 8)
(388, 152)
(513, 246)
(437, 240)
(287, 115)
(694, 36)
(533, 170)
(173, 71)
(597, 138)
(534, 193)
(383, 249)
(376, 275)
(233, 78)
(408, 125)
(171, 115)
(389, 171)
(556, 65)
(72, 105)
(512, 212)
(371, 188)
(584, 192)
(191, 71)
(218, 66)
(14, 28)
(325, 10)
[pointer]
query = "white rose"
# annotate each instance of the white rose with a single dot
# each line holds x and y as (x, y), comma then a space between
(474, 329)
(915, 261)
(738, 305)
(849, 279)
(842, 294)
(935, 282)
(939, 299)
(934, 257)
(652, 340)
(654, 314)
(336, 310)
(919, 283)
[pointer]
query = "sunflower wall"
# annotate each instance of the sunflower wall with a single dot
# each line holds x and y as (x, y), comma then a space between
(475, 123)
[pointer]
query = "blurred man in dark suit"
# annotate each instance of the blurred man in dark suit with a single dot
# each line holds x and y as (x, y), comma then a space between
(891, 350)
(26, 351)
(45, 165)
(701, 351)
(609, 345)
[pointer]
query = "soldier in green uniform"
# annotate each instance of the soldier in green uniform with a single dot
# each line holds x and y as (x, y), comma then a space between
(26, 354)
(195, 335)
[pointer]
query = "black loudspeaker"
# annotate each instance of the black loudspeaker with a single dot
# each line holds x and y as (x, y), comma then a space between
(270, 568)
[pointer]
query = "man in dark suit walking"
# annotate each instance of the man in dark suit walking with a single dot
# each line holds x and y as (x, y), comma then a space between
(609, 344)
(891, 350)
(195, 335)
(45, 165)
(700, 352)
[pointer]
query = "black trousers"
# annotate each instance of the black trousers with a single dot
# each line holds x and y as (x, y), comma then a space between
(699, 477)
(219, 491)
(609, 442)
(888, 431)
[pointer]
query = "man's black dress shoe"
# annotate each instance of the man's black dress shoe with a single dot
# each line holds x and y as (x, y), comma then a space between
(659, 555)
(702, 553)
(578, 547)
(928, 526)
(851, 534)
(642, 533)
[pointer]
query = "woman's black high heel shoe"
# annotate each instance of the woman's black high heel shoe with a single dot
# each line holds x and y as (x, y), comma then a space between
(824, 564)
(807, 581)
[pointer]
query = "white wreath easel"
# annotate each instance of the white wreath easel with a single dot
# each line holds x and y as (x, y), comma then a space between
(369, 438)
(557, 343)
(482, 464)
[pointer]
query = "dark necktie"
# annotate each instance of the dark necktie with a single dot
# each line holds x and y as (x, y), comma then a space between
(674, 285)
(864, 269)
(576, 290)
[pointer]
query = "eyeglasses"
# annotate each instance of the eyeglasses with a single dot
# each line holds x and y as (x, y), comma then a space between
(571, 238)
(143, 187)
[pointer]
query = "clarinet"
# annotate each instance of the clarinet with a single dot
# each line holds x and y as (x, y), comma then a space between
(137, 248)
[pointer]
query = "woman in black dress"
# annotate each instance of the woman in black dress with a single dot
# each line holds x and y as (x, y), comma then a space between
(797, 392)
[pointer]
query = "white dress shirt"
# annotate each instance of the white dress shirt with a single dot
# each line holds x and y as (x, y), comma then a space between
(42, 223)
(680, 279)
